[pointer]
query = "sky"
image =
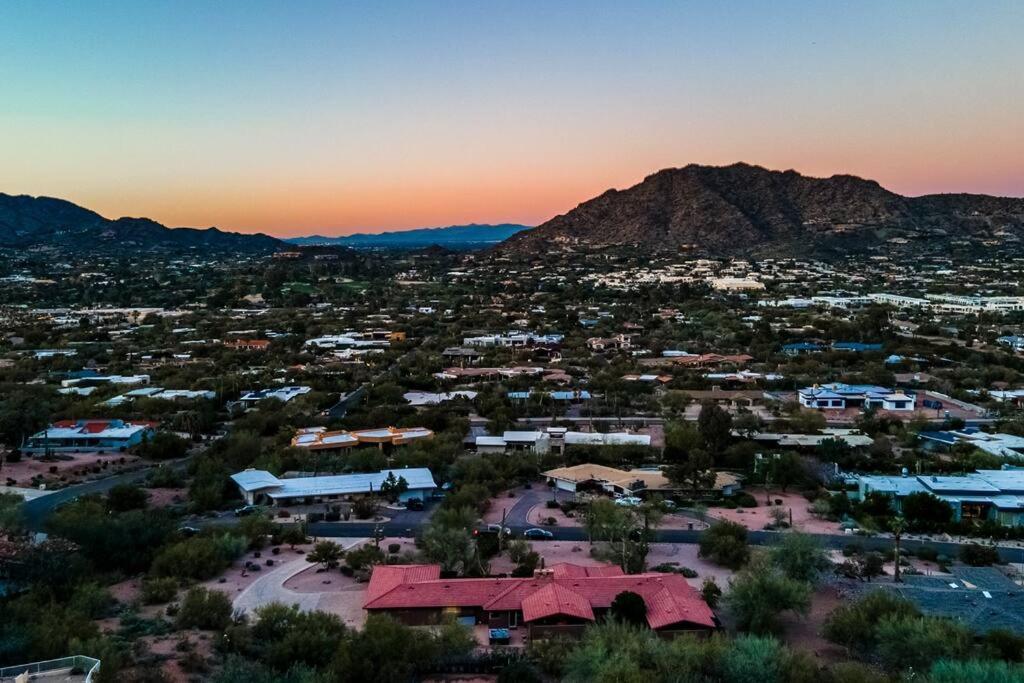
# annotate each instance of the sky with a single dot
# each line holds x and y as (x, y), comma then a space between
(296, 117)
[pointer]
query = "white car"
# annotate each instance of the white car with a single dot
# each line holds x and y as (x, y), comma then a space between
(628, 501)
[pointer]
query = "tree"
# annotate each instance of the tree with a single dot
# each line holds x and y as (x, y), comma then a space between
(392, 488)
(725, 544)
(293, 535)
(715, 425)
(785, 470)
(897, 525)
(163, 446)
(711, 591)
(326, 553)
(760, 593)
(807, 421)
(629, 608)
(926, 512)
(800, 557)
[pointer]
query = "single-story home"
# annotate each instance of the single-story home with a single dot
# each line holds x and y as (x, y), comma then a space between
(628, 482)
(559, 601)
(995, 495)
(102, 436)
(261, 486)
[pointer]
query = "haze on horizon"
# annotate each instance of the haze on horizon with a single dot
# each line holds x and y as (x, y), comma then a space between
(333, 118)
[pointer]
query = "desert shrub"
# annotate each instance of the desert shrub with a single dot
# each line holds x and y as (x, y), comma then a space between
(204, 609)
(725, 544)
(979, 555)
(159, 590)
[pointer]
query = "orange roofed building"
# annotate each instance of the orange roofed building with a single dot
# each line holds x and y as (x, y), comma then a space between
(248, 344)
(319, 439)
(561, 600)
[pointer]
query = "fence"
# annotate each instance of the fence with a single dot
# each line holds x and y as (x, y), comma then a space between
(87, 665)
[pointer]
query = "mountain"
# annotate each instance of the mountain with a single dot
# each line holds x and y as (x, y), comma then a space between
(748, 210)
(453, 237)
(27, 222)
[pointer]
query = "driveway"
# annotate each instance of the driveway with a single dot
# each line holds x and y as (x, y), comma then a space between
(270, 588)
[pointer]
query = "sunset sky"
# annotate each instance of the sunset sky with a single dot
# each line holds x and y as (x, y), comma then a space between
(330, 117)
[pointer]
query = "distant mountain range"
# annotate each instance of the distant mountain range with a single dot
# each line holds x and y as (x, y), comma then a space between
(32, 222)
(453, 237)
(748, 210)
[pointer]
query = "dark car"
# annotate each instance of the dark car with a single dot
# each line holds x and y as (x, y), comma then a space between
(246, 510)
(540, 534)
(414, 504)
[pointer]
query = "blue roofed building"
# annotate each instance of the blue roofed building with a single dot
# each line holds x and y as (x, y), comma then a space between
(856, 347)
(840, 396)
(992, 495)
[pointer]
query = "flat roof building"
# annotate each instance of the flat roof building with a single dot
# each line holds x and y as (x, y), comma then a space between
(259, 485)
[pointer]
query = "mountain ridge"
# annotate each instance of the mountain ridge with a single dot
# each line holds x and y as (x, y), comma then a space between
(34, 222)
(471, 234)
(744, 209)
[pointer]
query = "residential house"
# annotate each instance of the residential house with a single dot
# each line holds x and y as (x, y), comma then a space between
(993, 495)
(94, 436)
(560, 601)
(258, 486)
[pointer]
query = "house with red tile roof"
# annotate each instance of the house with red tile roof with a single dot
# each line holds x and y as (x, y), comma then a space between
(560, 600)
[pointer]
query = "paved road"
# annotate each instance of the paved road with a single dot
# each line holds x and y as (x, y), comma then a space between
(36, 511)
(835, 541)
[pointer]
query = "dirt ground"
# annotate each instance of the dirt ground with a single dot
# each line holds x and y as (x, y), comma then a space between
(805, 632)
(159, 498)
(756, 518)
(69, 468)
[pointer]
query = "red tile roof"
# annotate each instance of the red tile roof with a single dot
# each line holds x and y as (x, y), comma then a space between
(388, 576)
(564, 588)
(553, 600)
(567, 570)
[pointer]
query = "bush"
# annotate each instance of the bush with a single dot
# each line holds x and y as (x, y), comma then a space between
(364, 557)
(204, 609)
(725, 544)
(745, 500)
(364, 508)
(918, 642)
(853, 625)
(711, 592)
(629, 608)
(157, 591)
(979, 555)
(199, 558)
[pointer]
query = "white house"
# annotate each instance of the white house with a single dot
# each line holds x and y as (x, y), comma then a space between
(259, 485)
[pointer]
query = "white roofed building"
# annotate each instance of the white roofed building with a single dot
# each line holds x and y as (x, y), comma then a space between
(259, 486)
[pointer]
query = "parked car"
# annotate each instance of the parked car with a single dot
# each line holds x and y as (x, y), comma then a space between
(414, 504)
(628, 501)
(539, 534)
(188, 530)
(496, 528)
(246, 510)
